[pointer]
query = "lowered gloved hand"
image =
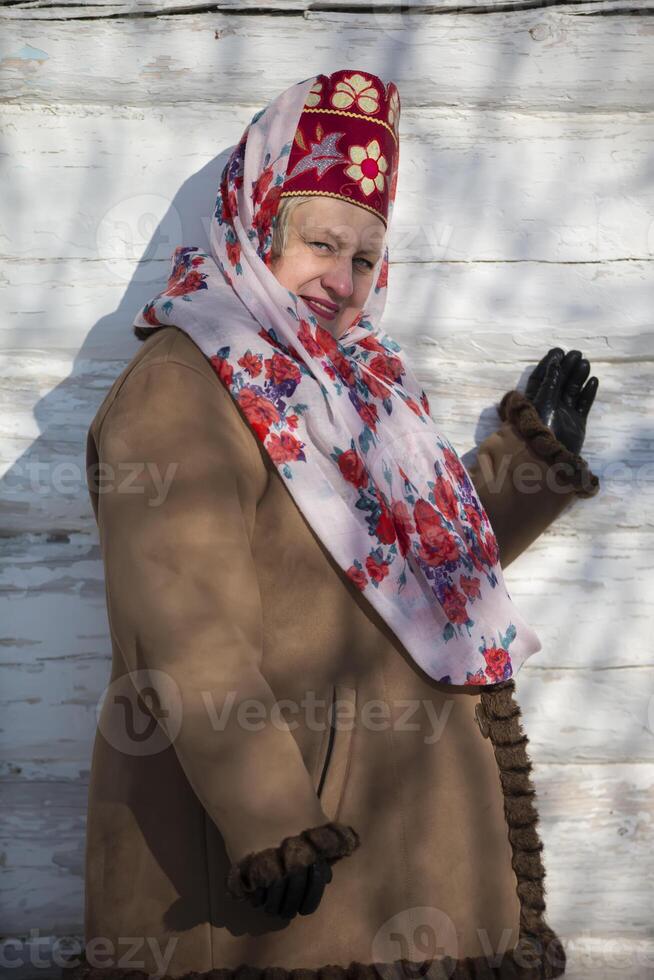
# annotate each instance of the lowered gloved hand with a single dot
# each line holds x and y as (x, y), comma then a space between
(291, 877)
(555, 389)
(299, 891)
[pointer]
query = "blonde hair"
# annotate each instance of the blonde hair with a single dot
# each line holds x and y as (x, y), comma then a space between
(280, 232)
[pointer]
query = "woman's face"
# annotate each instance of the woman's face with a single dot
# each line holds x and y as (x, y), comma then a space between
(331, 251)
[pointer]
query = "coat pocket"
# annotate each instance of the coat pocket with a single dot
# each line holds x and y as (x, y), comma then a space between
(336, 750)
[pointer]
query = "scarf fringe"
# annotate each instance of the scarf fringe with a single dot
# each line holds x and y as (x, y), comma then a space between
(539, 954)
(521, 413)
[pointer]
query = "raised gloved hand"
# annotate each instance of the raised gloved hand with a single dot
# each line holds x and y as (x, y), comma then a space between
(555, 389)
(299, 891)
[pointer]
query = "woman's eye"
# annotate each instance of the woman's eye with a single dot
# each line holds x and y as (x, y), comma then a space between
(369, 265)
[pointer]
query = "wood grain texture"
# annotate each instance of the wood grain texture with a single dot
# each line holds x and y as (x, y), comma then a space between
(26, 9)
(525, 60)
(116, 181)
(524, 220)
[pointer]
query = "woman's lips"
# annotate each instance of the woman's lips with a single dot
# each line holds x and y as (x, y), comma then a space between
(323, 311)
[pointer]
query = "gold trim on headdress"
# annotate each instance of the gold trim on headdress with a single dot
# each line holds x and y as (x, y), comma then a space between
(341, 197)
(352, 115)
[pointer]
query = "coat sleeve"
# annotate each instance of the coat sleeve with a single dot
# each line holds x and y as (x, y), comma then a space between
(175, 496)
(525, 477)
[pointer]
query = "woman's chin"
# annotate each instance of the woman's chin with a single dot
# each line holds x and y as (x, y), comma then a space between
(332, 326)
(337, 326)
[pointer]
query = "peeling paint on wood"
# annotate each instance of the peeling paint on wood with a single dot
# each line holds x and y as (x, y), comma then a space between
(575, 54)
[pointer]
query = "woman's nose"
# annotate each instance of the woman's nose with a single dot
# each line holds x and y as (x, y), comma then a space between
(339, 278)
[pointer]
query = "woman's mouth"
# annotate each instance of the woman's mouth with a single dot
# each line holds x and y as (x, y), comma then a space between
(324, 311)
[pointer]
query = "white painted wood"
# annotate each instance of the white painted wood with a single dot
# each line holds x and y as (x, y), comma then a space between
(593, 822)
(114, 174)
(532, 60)
(73, 8)
(525, 219)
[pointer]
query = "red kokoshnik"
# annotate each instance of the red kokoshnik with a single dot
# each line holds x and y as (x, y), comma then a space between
(346, 143)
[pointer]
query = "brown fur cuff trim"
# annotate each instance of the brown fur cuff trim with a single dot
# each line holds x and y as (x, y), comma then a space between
(331, 842)
(536, 956)
(572, 470)
(502, 718)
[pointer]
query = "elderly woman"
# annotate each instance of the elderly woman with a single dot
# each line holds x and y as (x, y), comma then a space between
(310, 756)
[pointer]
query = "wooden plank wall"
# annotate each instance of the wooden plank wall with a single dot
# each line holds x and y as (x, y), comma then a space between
(524, 220)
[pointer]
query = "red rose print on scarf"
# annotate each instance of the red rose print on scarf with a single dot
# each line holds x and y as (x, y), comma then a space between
(489, 548)
(454, 465)
(233, 252)
(279, 369)
(344, 368)
(454, 604)
(498, 663)
(252, 363)
(223, 368)
(424, 401)
(353, 469)
(473, 516)
(438, 545)
(414, 406)
(370, 415)
(372, 344)
(388, 367)
(471, 587)
(261, 186)
(185, 277)
(259, 411)
(385, 528)
(283, 447)
(262, 218)
(358, 576)
(446, 499)
(375, 386)
(403, 526)
(307, 339)
(377, 568)
(477, 678)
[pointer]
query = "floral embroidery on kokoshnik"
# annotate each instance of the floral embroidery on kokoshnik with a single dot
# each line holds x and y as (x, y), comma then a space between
(356, 90)
(346, 422)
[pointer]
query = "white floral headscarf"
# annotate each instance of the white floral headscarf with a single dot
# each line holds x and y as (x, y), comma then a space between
(345, 422)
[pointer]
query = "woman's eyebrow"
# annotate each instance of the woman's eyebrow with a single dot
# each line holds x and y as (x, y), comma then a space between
(342, 241)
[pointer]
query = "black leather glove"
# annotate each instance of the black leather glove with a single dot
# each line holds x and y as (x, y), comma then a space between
(555, 389)
(300, 891)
